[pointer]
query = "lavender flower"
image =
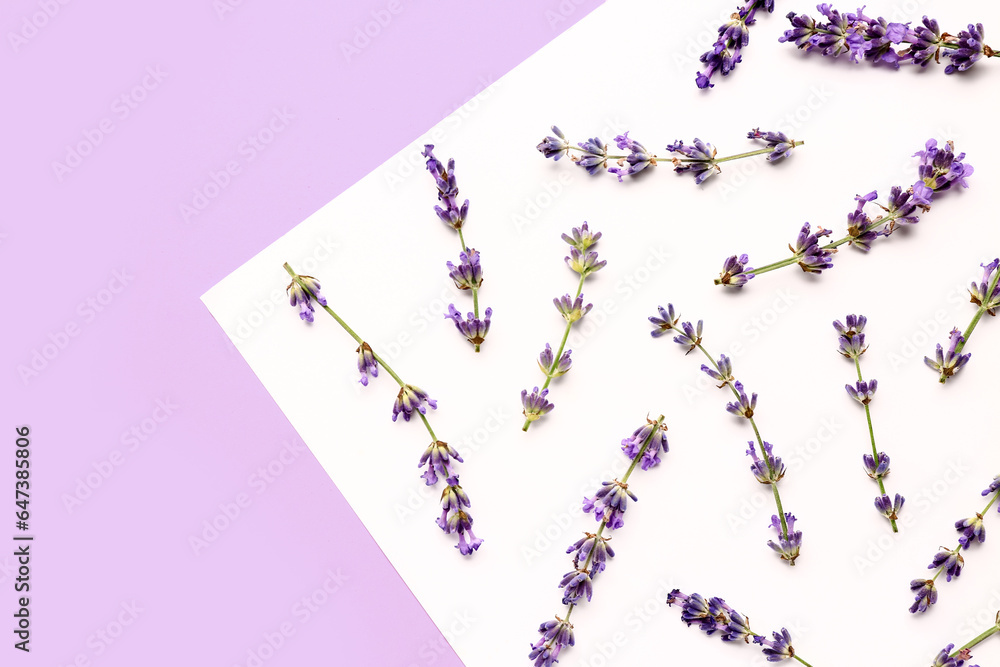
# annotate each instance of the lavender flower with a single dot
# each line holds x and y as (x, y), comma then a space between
(714, 615)
(438, 459)
(410, 399)
(367, 365)
(950, 561)
(851, 344)
(946, 659)
(468, 274)
(939, 169)
(471, 327)
(881, 41)
(584, 261)
(767, 468)
(700, 159)
(548, 365)
(986, 295)
(734, 36)
(591, 553)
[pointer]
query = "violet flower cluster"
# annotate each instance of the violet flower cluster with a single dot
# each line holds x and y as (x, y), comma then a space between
(438, 460)
(950, 561)
(939, 170)
(714, 616)
(584, 262)
(698, 158)
(468, 273)
(591, 553)
(734, 35)
(851, 338)
(878, 41)
(986, 295)
(766, 466)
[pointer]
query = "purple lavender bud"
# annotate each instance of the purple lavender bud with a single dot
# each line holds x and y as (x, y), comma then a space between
(813, 257)
(951, 561)
(925, 43)
(993, 488)
(925, 595)
(769, 469)
(882, 36)
(949, 362)
(535, 404)
(584, 263)
(638, 158)
(699, 159)
(695, 609)
(841, 34)
(735, 272)
(981, 293)
(667, 321)
(468, 274)
(889, 508)
(582, 238)
(802, 32)
(903, 204)
(786, 547)
(940, 168)
(877, 468)
(452, 214)
(725, 373)
(554, 147)
(301, 293)
(570, 308)
(743, 407)
(971, 529)
(471, 327)
(437, 457)
(945, 659)
(970, 48)
(855, 325)
(594, 157)
(778, 649)
(779, 142)
(609, 504)
(862, 391)
(576, 585)
(657, 443)
(861, 228)
(455, 520)
(367, 365)
(411, 398)
(546, 359)
(734, 35)
(556, 635)
(690, 336)
(591, 543)
(738, 629)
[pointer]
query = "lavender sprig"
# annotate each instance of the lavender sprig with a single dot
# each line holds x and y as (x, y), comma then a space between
(468, 274)
(939, 170)
(698, 159)
(583, 261)
(734, 36)
(949, 656)
(861, 37)
(439, 458)
(713, 615)
(851, 338)
(592, 552)
(986, 295)
(766, 467)
(951, 561)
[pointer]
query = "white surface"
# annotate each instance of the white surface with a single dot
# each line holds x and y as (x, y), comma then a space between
(625, 67)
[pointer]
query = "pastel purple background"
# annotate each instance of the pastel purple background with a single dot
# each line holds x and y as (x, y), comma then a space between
(119, 210)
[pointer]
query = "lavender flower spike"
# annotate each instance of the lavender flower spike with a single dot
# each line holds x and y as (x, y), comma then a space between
(438, 459)
(950, 562)
(713, 615)
(592, 553)
(584, 261)
(468, 273)
(734, 36)
(767, 467)
(940, 169)
(986, 295)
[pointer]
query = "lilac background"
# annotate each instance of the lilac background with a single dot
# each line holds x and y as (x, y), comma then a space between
(152, 340)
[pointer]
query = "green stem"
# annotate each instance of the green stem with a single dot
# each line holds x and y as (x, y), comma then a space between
(975, 320)
(475, 290)
(760, 443)
(871, 434)
(562, 346)
(624, 480)
(739, 156)
(979, 639)
(802, 661)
